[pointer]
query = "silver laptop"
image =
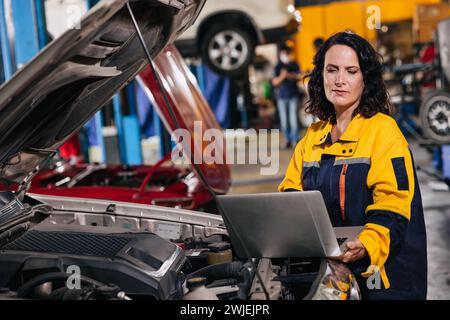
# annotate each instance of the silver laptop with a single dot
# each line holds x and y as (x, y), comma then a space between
(283, 224)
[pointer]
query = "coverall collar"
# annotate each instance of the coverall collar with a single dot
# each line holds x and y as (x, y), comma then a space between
(351, 134)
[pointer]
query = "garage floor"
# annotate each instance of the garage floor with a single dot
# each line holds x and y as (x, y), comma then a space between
(247, 179)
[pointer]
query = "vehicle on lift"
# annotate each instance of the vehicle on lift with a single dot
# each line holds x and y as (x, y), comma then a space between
(226, 33)
(435, 107)
(163, 184)
(432, 126)
(119, 250)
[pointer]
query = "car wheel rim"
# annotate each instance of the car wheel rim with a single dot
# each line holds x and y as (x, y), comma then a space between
(228, 50)
(439, 118)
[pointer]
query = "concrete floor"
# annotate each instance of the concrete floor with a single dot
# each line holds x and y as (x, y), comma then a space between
(247, 179)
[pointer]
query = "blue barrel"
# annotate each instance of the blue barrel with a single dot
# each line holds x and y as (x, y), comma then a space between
(446, 160)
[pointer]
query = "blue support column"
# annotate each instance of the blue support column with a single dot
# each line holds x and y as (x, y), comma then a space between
(117, 106)
(30, 32)
(200, 77)
(99, 133)
(98, 115)
(132, 136)
(41, 23)
(446, 161)
(159, 131)
(128, 129)
(131, 129)
(8, 64)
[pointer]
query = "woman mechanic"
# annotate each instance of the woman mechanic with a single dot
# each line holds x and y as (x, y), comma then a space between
(357, 157)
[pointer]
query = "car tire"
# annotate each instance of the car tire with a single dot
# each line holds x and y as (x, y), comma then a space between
(227, 50)
(435, 116)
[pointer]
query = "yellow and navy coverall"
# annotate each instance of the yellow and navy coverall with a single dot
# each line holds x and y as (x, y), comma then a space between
(367, 178)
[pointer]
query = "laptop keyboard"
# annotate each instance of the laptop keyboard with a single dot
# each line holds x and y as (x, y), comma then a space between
(341, 240)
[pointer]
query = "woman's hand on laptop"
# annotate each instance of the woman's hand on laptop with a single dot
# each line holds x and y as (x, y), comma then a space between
(354, 251)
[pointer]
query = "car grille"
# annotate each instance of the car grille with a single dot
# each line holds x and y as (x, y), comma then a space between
(73, 243)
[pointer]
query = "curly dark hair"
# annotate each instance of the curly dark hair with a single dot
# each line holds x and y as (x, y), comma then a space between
(375, 97)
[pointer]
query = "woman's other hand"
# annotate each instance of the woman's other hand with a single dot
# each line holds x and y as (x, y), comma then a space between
(354, 251)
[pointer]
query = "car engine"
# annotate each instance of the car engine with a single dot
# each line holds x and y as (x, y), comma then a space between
(51, 253)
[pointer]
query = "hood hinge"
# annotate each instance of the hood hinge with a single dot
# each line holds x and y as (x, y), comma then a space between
(24, 186)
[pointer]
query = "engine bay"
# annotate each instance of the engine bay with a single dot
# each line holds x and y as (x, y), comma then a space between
(50, 251)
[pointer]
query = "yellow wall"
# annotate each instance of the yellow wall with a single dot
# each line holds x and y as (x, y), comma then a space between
(325, 20)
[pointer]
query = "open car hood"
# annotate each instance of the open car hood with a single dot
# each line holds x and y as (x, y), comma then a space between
(51, 97)
(189, 106)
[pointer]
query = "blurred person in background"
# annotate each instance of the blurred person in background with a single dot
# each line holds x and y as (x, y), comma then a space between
(427, 54)
(317, 43)
(287, 74)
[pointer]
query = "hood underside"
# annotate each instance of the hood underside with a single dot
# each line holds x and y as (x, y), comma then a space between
(74, 76)
(189, 106)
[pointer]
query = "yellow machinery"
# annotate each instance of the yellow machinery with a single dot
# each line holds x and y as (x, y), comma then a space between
(359, 16)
